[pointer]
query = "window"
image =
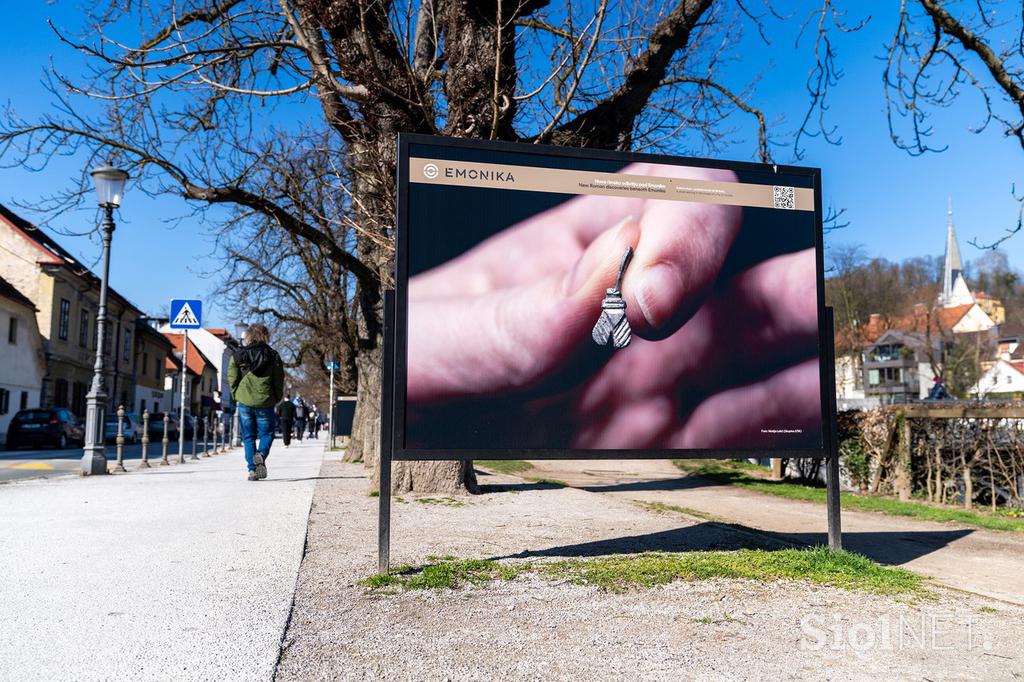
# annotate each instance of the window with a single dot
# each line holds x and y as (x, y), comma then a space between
(156, 407)
(145, 364)
(60, 393)
(142, 406)
(83, 328)
(126, 354)
(65, 315)
(12, 330)
(5, 397)
(78, 391)
(108, 331)
(24, 400)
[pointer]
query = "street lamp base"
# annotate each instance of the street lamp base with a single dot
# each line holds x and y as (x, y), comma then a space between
(93, 464)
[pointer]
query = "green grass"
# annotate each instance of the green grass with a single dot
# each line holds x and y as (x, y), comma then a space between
(729, 474)
(548, 481)
(504, 466)
(662, 508)
(643, 571)
(374, 493)
(440, 501)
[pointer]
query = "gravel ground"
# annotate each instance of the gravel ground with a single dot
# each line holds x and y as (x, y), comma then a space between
(533, 629)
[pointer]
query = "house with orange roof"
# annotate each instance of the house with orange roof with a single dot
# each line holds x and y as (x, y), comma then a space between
(902, 357)
(199, 380)
(216, 345)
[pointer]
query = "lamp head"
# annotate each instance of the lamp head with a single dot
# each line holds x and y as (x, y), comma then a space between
(109, 182)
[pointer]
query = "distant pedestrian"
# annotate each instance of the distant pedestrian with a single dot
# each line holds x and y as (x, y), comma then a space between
(286, 413)
(256, 380)
(314, 421)
(300, 419)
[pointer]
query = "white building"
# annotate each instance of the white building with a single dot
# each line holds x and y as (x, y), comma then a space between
(215, 345)
(23, 366)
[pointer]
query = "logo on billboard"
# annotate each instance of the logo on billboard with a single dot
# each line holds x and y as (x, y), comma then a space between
(431, 171)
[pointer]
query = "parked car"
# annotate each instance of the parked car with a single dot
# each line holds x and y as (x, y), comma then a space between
(55, 427)
(132, 428)
(156, 426)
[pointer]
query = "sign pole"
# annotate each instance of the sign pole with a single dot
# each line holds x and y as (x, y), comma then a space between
(832, 500)
(386, 424)
(184, 379)
(330, 414)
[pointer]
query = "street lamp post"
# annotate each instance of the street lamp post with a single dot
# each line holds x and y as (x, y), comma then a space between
(109, 183)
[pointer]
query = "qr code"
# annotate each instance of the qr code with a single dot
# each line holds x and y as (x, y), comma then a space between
(783, 197)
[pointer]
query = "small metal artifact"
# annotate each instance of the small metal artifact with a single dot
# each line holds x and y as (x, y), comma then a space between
(612, 327)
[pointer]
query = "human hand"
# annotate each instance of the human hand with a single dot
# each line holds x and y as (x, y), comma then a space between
(505, 327)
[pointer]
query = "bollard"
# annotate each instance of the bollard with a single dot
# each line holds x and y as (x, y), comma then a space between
(144, 464)
(120, 439)
(164, 460)
(195, 427)
(206, 436)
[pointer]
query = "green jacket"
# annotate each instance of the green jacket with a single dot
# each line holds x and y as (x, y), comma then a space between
(263, 389)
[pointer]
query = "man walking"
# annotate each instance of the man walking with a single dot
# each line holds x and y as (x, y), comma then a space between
(256, 380)
(314, 423)
(300, 418)
(286, 413)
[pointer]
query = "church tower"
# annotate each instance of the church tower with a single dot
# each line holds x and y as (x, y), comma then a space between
(954, 286)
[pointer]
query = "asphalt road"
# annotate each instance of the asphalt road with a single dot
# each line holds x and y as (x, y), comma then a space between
(16, 465)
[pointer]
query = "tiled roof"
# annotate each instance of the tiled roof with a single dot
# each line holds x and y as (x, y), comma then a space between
(919, 320)
(197, 362)
(58, 255)
(9, 291)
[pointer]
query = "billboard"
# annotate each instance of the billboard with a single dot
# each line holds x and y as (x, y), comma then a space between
(555, 302)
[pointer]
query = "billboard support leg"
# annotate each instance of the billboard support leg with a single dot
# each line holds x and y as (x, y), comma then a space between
(835, 529)
(832, 501)
(386, 439)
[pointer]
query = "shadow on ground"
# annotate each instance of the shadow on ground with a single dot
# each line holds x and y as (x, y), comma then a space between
(884, 547)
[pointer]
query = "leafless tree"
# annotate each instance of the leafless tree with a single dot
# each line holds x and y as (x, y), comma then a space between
(940, 49)
(260, 109)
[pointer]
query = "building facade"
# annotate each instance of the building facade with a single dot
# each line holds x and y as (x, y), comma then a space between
(200, 378)
(23, 365)
(66, 294)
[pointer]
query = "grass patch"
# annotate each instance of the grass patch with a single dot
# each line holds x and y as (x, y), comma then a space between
(662, 508)
(987, 609)
(548, 481)
(374, 493)
(642, 571)
(504, 466)
(441, 501)
(727, 474)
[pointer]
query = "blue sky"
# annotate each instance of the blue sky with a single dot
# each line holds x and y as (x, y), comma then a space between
(895, 204)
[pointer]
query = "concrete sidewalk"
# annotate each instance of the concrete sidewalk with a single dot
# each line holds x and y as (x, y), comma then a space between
(175, 573)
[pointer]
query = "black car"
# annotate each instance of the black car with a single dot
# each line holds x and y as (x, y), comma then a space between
(156, 426)
(55, 427)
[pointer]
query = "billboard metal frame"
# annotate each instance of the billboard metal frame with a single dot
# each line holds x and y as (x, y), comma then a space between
(393, 389)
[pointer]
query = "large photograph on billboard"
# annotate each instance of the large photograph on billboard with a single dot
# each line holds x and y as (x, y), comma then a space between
(591, 304)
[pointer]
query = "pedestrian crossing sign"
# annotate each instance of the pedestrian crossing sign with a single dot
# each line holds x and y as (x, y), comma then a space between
(186, 313)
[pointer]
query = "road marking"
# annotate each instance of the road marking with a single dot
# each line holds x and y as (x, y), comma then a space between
(30, 465)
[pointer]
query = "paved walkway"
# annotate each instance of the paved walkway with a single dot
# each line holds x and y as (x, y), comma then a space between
(176, 573)
(989, 563)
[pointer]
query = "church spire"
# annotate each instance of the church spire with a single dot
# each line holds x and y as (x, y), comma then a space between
(954, 287)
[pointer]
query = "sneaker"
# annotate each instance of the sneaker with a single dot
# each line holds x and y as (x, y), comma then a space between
(252, 476)
(261, 469)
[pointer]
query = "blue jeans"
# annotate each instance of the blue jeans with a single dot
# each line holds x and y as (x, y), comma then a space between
(256, 424)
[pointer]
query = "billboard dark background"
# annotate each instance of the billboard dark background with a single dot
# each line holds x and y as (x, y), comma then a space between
(445, 221)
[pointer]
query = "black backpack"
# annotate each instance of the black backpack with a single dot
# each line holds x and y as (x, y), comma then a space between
(258, 359)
